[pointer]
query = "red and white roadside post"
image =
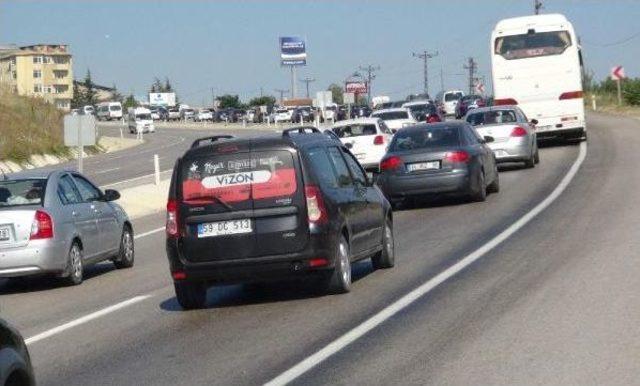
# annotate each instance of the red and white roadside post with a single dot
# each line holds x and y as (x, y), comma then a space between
(617, 74)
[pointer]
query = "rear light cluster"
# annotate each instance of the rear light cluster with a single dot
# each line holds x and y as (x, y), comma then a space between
(504, 102)
(42, 226)
(316, 210)
(457, 156)
(433, 118)
(378, 140)
(571, 95)
(172, 227)
(390, 163)
(518, 132)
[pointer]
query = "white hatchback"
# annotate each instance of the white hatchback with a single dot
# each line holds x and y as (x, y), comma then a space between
(366, 138)
(396, 118)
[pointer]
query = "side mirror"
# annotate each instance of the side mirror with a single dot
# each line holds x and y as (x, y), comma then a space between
(348, 145)
(111, 195)
(394, 131)
(534, 122)
(488, 139)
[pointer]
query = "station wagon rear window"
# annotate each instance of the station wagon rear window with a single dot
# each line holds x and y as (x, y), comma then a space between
(532, 44)
(442, 136)
(238, 177)
(22, 192)
(391, 115)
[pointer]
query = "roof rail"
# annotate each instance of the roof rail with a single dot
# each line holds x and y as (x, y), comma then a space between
(208, 140)
(300, 130)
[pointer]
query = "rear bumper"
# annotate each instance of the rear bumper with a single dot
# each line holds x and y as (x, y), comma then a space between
(37, 257)
(400, 186)
(255, 269)
(572, 133)
(513, 150)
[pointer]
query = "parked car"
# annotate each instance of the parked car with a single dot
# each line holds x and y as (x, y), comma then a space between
(447, 100)
(296, 205)
(438, 158)
(515, 136)
(155, 113)
(173, 114)
(140, 121)
(395, 118)
(108, 111)
(468, 102)
(187, 114)
(58, 223)
(424, 111)
(15, 362)
(88, 110)
(366, 138)
(203, 115)
(360, 111)
(283, 114)
(304, 112)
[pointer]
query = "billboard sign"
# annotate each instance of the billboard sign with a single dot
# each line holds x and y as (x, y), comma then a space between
(356, 87)
(79, 130)
(162, 98)
(293, 51)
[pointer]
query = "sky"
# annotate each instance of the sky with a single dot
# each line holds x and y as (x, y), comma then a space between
(232, 46)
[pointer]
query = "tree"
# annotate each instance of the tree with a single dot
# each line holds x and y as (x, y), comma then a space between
(336, 93)
(266, 100)
(78, 97)
(89, 94)
(229, 101)
(116, 96)
(130, 101)
(167, 85)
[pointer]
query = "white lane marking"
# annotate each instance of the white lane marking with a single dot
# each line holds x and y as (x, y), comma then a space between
(145, 234)
(106, 171)
(85, 319)
(135, 179)
(389, 311)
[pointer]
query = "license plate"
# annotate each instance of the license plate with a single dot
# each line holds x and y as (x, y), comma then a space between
(543, 128)
(4, 234)
(423, 166)
(360, 156)
(501, 153)
(223, 228)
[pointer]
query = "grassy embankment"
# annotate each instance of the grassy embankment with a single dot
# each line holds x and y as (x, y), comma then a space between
(608, 103)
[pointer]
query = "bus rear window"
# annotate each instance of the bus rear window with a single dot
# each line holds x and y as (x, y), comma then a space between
(239, 177)
(532, 45)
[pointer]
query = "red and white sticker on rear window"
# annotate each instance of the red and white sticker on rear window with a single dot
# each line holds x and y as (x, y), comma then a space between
(235, 177)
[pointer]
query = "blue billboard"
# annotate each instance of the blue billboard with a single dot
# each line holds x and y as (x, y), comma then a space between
(292, 51)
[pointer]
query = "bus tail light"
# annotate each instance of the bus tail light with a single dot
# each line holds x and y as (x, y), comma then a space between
(505, 102)
(571, 95)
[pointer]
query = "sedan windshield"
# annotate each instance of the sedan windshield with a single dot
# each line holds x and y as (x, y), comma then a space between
(22, 192)
(427, 137)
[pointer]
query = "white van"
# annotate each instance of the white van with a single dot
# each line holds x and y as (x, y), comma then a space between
(140, 120)
(87, 110)
(107, 111)
(448, 100)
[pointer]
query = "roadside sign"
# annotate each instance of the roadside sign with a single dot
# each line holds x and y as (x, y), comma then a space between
(480, 88)
(617, 73)
(356, 87)
(80, 131)
(349, 98)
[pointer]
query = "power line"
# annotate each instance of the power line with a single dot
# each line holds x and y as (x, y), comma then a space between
(370, 69)
(306, 81)
(472, 66)
(425, 56)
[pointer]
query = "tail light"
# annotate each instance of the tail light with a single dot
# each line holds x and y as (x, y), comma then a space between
(172, 226)
(316, 211)
(318, 262)
(390, 163)
(42, 226)
(433, 118)
(571, 95)
(178, 275)
(457, 156)
(504, 102)
(378, 140)
(480, 103)
(518, 132)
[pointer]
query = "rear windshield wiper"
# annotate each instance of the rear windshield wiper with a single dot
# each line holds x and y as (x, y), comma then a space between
(216, 198)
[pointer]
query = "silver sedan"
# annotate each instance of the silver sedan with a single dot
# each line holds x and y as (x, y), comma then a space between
(514, 136)
(58, 223)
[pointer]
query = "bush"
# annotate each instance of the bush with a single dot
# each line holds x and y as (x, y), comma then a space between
(29, 126)
(631, 91)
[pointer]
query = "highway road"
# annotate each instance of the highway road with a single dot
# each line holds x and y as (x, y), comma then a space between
(557, 302)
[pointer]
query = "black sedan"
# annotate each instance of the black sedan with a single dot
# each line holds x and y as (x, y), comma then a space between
(435, 159)
(15, 364)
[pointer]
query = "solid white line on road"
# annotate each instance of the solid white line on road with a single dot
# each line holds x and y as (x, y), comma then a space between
(135, 179)
(145, 234)
(106, 171)
(85, 319)
(389, 311)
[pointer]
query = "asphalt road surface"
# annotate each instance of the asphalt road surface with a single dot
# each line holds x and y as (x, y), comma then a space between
(558, 302)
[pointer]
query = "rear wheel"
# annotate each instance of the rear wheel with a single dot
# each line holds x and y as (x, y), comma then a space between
(494, 187)
(126, 255)
(386, 257)
(480, 193)
(531, 162)
(74, 271)
(536, 156)
(340, 279)
(191, 295)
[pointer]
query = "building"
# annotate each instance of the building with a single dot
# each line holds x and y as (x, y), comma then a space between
(42, 70)
(103, 93)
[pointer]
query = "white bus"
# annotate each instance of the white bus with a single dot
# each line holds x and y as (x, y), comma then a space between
(537, 64)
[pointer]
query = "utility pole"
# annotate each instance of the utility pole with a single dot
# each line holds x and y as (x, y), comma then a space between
(472, 67)
(537, 5)
(441, 78)
(213, 98)
(306, 81)
(282, 92)
(370, 69)
(425, 56)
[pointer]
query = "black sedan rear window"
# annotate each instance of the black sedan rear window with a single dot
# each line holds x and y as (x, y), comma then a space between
(22, 192)
(427, 137)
